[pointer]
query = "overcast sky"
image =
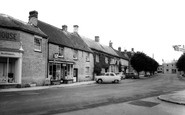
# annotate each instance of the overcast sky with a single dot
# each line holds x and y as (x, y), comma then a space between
(150, 26)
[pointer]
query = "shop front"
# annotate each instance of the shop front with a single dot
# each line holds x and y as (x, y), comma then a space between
(10, 67)
(60, 71)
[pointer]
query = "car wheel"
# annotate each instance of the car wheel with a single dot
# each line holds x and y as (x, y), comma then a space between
(100, 81)
(116, 81)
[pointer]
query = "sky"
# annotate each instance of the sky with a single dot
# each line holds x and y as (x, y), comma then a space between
(149, 26)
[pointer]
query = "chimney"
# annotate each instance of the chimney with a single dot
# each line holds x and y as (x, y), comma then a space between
(33, 18)
(110, 44)
(75, 28)
(119, 49)
(132, 49)
(97, 39)
(64, 28)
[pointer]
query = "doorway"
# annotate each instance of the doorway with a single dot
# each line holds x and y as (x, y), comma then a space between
(75, 75)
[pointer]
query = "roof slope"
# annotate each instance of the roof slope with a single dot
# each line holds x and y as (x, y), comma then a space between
(122, 54)
(12, 23)
(97, 46)
(57, 36)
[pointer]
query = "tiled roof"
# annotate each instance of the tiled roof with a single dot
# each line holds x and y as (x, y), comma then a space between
(97, 46)
(57, 36)
(122, 54)
(12, 23)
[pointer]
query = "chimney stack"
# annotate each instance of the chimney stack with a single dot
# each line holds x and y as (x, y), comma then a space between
(64, 28)
(132, 49)
(97, 39)
(119, 49)
(110, 44)
(33, 18)
(75, 28)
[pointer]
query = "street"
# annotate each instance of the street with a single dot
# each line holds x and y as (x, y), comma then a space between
(71, 99)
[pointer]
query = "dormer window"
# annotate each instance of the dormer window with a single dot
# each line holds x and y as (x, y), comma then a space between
(61, 52)
(38, 44)
(75, 55)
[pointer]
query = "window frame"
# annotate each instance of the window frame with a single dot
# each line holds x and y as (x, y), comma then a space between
(40, 47)
(88, 57)
(59, 52)
(75, 54)
(97, 58)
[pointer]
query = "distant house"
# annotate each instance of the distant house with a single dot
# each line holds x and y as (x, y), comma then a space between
(105, 58)
(23, 52)
(170, 67)
(160, 69)
(123, 60)
(69, 56)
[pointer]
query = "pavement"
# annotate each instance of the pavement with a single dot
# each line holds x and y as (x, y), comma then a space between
(176, 98)
(47, 87)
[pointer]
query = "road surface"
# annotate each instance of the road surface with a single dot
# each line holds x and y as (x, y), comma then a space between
(63, 100)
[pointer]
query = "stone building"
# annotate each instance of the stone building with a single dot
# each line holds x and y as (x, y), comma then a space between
(105, 58)
(169, 67)
(23, 52)
(69, 58)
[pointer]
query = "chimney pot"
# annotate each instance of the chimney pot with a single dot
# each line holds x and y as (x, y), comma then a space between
(132, 49)
(33, 18)
(64, 27)
(97, 39)
(119, 49)
(76, 28)
(110, 44)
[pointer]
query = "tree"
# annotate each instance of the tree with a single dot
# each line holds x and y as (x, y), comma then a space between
(181, 63)
(142, 62)
(138, 61)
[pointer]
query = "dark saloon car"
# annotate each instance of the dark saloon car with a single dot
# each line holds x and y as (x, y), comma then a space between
(131, 76)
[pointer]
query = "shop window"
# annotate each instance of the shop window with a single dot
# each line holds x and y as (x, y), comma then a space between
(61, 52)
(88, 57)
(75, 55)
(37, 44)
(97, 58)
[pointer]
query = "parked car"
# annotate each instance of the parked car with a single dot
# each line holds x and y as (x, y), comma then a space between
(122, 75)
(108, 77)
(131, 76)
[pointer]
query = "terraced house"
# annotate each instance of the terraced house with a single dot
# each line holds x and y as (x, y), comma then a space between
(69, 58)
(23, 52)
(105, 58)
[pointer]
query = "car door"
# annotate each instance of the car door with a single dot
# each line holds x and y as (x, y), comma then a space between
(106, 77)
(112, 76)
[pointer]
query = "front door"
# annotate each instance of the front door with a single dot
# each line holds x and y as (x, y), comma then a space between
(75, 75)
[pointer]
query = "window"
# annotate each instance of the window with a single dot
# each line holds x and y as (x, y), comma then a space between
(111, 74)
(75, 54)
(88, 57)
(106, 60)
(112, 61)
(61, 51)
(37, 44)
(97, 58)
(87, 70)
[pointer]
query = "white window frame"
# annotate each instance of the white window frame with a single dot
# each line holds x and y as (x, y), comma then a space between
(88, 57)
(59, 53)
(40, 40)
(97, 58)
(75, 54)
(106, 60)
